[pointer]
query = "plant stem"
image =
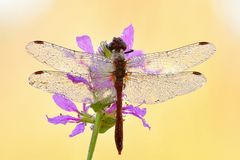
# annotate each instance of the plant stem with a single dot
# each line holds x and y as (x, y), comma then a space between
(95, 132)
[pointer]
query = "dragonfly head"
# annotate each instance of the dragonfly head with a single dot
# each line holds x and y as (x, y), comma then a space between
(117, 44)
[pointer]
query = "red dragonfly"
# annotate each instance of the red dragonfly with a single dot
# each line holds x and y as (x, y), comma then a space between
(168, 77)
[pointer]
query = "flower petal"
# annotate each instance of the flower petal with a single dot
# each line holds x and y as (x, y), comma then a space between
(135, 110)
(77, 79)
(62, 119)
(85, 43)
(64, 103)
(112, 108)
(128, 36)
(78, 129)
(145, 124)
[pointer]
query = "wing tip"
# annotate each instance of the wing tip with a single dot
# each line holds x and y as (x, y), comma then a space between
(198, 74)
(35, 74)
(27, 46)
(209, 44)
(38, 42)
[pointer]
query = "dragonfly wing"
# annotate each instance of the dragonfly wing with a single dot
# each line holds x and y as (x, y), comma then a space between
(59, 82)
(63, 59)
(152, 88)
(176, 60)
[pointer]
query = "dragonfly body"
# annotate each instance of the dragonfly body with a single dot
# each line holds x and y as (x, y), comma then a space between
(117, 47)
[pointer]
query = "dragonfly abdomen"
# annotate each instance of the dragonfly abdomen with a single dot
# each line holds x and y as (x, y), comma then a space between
(119, 73)
(119, 119)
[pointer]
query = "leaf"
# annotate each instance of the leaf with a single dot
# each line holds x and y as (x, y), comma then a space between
(100, 105)
(107, 53)
(108, 122)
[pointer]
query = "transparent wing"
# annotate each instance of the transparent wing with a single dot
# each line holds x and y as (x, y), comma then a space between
(173, 61)
(64, 59)
(152, 88)
(58, 82)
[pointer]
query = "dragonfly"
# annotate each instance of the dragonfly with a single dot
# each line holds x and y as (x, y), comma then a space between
(150, 78)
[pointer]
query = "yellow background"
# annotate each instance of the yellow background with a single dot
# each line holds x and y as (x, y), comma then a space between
(201, 125)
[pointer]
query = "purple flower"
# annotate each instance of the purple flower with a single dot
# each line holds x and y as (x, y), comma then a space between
(84, 42)
(98, 82)
(69, 106)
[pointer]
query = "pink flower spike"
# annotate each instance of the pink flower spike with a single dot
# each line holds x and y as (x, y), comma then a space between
(63, 119)
(78, 129)
(65, 103)
(85, 43)
(128, 36)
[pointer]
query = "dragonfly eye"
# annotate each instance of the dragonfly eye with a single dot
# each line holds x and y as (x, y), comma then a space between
(117, 44)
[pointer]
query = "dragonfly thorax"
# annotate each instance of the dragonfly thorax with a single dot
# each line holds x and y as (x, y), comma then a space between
(120, 69)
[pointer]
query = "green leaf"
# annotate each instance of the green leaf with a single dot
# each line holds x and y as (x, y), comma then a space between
(100, 105)
(108, 121)
(106, 51)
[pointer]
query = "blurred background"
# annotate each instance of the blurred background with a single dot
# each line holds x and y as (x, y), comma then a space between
(201, 125)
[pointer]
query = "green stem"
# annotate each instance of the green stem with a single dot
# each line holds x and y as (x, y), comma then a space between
(95, 132)
(87, 120)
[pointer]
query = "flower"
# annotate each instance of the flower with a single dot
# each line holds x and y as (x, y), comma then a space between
(85, 43)
(69, 106)
(98, 84)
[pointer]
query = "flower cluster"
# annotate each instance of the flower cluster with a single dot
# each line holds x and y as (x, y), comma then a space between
(83, 117)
